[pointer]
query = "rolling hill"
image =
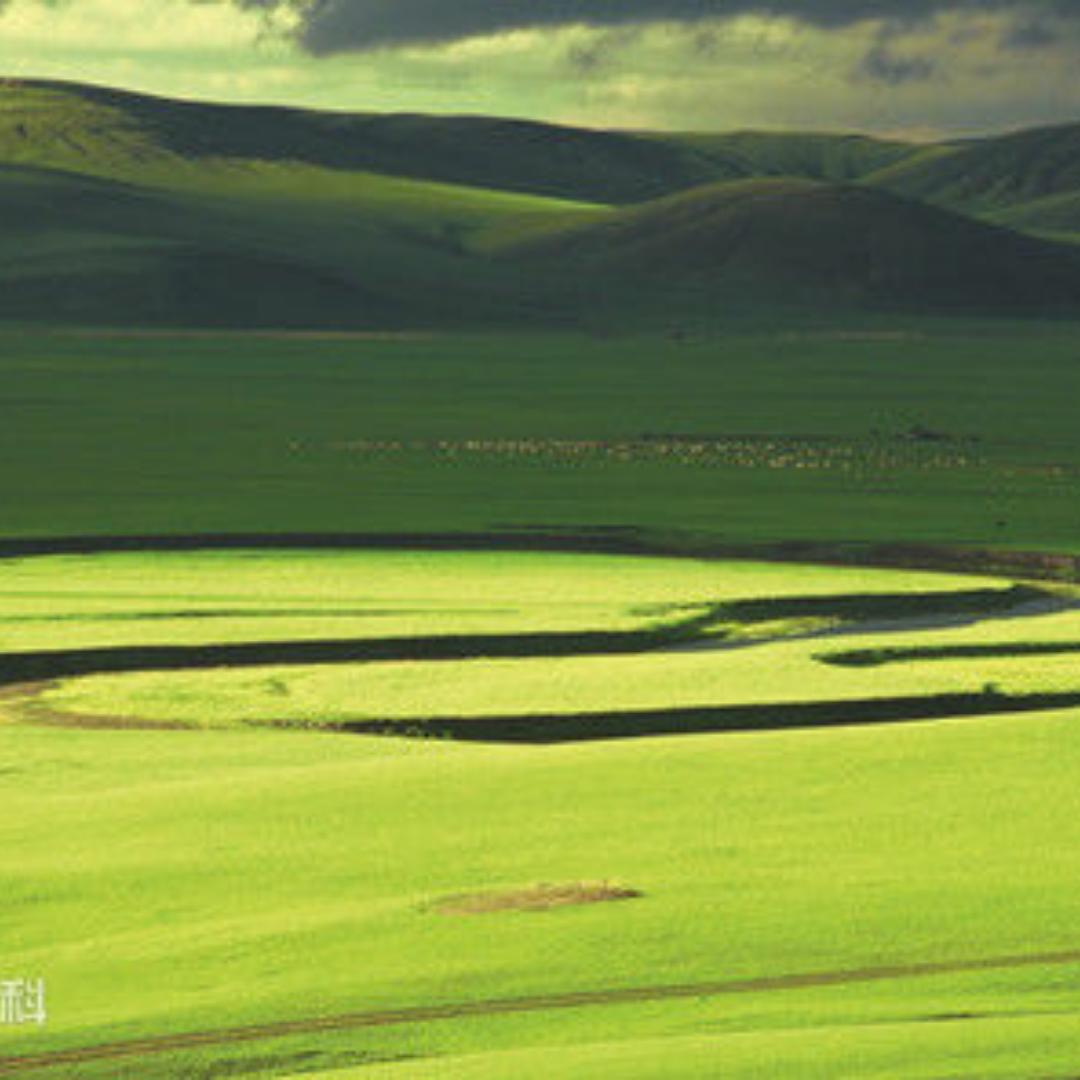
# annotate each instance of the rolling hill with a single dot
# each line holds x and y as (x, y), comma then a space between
(123, 209)
(111, 132)
(744, 155)
(117, 208)
(85, 250)
(987, 174)
(804, 241)
(1056, 215)
(125, 135)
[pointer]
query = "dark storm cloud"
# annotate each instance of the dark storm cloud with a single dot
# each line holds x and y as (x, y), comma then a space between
(881, 64)
(1029, 34)
(332, 26)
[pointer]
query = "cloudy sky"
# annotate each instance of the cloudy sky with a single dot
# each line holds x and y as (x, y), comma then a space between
(906, 67)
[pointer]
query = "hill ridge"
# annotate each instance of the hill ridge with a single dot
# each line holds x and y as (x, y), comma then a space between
(804, 240)
(126, 209)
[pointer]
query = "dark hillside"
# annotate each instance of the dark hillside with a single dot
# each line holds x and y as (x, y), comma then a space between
(800, 241)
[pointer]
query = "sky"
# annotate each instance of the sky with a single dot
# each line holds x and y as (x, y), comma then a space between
(905, 68)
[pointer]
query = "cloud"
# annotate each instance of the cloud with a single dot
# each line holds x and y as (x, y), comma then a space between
(882, 64)
(334, 26)
(1029, 33)
(921, 68)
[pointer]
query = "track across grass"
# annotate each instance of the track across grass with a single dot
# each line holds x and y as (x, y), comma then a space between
(142, 1048)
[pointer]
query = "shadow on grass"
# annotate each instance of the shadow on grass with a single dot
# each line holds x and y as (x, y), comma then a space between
(1011, 650)
(541, 729)
(69, 663)
(254, 614)
(705, 622)
(883, 606)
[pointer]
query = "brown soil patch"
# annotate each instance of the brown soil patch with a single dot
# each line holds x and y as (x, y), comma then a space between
(21, 703)
(536, 898)
(15, 698)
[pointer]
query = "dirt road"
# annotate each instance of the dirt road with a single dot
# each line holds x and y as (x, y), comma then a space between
(195, 1040)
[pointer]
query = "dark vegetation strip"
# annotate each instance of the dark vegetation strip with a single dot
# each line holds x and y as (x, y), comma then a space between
(612, 540)
(68, 663)
(420, 1014)
(209, 614)
(551, 728)
(861, 606)
(23, 667)
(875, 606)
(1010, 650)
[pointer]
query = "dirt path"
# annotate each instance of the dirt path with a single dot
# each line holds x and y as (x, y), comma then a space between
(194, 1040)
(20, 703)
(14, 699)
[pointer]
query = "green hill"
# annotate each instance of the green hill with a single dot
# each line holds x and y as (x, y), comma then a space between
(91, 129)
(124, 209)
(747, 154)
(119, 134)
(122, 135)
(796, 241)
(988, 174)
(85, 250)
(1054, 215)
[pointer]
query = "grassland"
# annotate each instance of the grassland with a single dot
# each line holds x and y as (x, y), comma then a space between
(168, 882)
(94, 130)
(410, 691)
(792, 240)
(255, 876)
(278, 434)
(258, 875)
(174, 881)
(833, 808)
(229, 596)
(125, 210)
(583, 635)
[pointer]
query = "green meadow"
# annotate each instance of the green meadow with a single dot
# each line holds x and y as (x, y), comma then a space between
(791, 771)
(262, 875)
(486, 599)
(924, 430)
(256, 873)
(584, 634)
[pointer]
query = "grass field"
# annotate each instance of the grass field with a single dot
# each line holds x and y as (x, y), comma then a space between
(175, 881)
(473, 598)
(232, 596)
(167, 882)
(254, 877)
(268, 875)
(586, 635)
(916, 430)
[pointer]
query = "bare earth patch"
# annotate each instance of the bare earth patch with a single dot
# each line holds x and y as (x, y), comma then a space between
(20, 703)
(542, 897)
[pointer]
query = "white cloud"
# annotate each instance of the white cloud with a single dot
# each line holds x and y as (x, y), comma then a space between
(114, 25)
